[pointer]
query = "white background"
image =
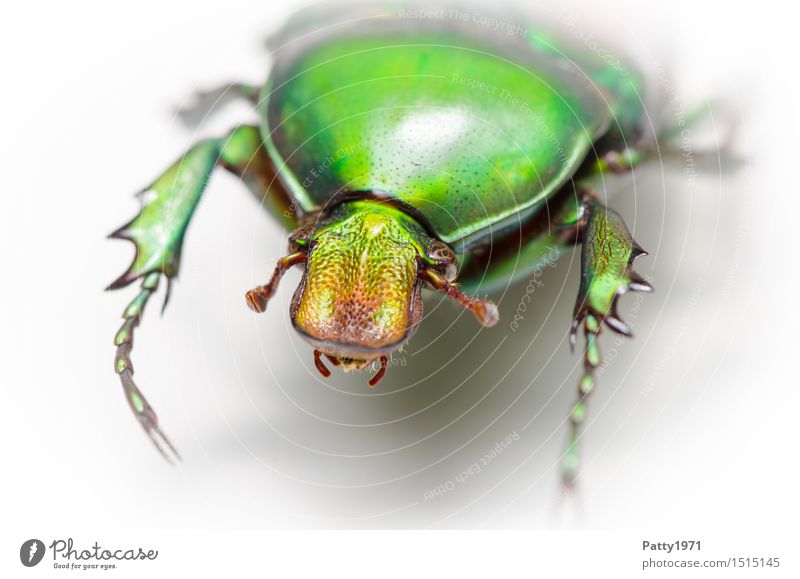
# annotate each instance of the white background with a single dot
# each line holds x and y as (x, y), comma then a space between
(691, 430)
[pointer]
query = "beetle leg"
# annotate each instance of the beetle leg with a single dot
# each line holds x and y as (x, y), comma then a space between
(607, 255)
(204, 103)
(591, 360)
(484, 310)
(124, 341)
(243, 155)
(620, 161)
(672, 137)
(157, 233)
(258, 297)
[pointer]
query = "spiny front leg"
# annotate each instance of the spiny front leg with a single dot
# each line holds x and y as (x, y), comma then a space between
(607, 255)
(157, 233)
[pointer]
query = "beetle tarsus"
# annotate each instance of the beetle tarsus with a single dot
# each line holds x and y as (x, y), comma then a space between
(139, 405)
(148, 419)
(591, 360)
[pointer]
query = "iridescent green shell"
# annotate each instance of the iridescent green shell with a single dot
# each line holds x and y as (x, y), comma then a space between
(472, 131)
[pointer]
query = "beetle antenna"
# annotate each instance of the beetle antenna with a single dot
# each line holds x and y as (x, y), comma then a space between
(258, 297)
(591, 360)
(124, 367)
(484, 310)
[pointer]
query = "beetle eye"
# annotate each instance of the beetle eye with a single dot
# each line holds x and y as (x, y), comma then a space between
(300, 237)
(450, 271)
(445, 258)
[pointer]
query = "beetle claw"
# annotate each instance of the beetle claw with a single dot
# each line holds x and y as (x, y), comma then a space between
(615, 323)
(147, 418)
(573, 333)
(638, 283)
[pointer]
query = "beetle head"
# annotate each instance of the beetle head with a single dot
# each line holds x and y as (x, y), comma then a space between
(359, 298)
(360, 295)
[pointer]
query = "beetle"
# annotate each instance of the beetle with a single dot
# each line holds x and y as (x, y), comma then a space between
(410, 153)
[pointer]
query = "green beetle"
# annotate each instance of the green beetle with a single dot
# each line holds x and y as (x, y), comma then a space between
(410, 152)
